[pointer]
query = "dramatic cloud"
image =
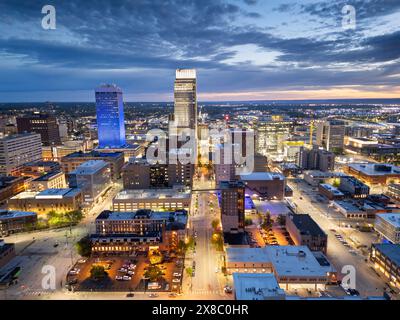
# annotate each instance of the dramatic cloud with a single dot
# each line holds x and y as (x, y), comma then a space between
(238, 46)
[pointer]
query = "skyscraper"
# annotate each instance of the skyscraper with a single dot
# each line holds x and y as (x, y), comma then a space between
(330, 135)
(185, 99)
(44, 124)
(110, 116)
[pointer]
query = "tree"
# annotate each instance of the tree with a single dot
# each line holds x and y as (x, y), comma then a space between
(282, 220)
(97, 272)
(84, 247)
(215, 224)
(182, 246)
(189, 271)
(155, 257)
(153, 273)
(248, 221)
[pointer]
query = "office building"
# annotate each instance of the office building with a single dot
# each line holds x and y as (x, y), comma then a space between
(44, 124)
(52, 180)
(10, 186)
(122, 232)
(304, 231)
(185, 99)
(93, 178)
(268, 185)
(393, 191)
(224, 168)
(74, 160)
(177, 198)
(291, 150)
(315, 159)
(330, 135)
(110, 116)
(271, 134)
(16, 221)
(386, 260)
(36, 169)
(232, 204)
(329, 191)
(388, 226)
(373, 173)
(17, 150)
(353, 187)
(257, 286)
(139, 174)
(293, 266)
(58, 200)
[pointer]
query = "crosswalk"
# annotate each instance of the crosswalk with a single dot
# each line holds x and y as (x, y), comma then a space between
(206, 292)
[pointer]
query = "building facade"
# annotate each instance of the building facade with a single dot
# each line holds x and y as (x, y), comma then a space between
(110, 116)
(93, 178)
(58, 200)
(44, 124)
(16, 221)
(17, 150)
(185, 99)
(386, 260)
(304, 231)
(115, 159)
(232, 204)
(330, 135)
(316, 159)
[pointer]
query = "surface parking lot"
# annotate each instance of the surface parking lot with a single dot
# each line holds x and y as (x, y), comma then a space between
(120, 268)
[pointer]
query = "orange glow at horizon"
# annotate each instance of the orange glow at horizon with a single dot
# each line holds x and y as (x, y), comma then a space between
(354, 92)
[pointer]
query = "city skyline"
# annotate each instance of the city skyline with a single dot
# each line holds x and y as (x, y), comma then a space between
(243, 50)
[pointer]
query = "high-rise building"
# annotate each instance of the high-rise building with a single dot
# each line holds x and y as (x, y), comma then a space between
(316, 159)
(232, 198)
(271, 134)
(44, 124)
(110, 116)
(185, 99)
(330, 135)
(16, 150)
(93, 177)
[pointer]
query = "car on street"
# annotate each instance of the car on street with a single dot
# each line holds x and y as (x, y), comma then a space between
(176, 280)
(74, 271)
(153, 295)
(130, 295)
(228, 289)
(177, 274)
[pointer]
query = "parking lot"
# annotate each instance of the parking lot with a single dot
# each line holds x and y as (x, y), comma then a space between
(124, 274)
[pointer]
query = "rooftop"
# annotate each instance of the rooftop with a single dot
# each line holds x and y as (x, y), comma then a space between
(286, 260)
(392, 218)
(48, 176)
(90, 167)
(256, 176)
(48, 194)
(6, 214)
(94, 154)
(257, 286)
(306, 225)
(331, 188)
(373, 169)
(153, 194)
(178, 216)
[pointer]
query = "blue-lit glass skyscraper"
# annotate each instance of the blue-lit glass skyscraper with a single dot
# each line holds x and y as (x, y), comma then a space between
(110, 117)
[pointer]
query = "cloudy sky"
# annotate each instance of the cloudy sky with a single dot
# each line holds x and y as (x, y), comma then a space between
(242, 49)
